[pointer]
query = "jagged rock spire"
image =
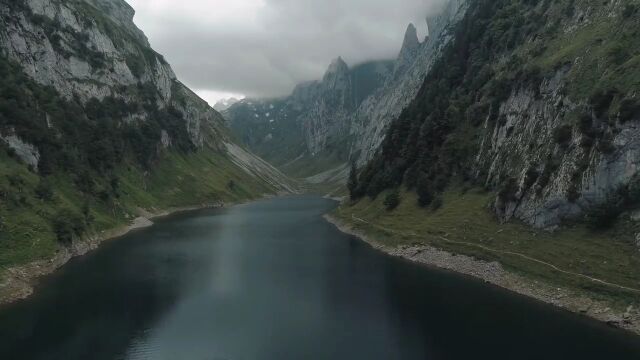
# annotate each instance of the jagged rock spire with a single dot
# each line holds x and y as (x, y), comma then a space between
(337, 75)
(411, 41)
(338, 66)
(409, 51)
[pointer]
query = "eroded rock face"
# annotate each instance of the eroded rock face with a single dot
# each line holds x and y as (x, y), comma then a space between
(370, 123)
(92, 49)
(553, 181)
(28, 153)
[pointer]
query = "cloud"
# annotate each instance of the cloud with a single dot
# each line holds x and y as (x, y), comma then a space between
(265, 47)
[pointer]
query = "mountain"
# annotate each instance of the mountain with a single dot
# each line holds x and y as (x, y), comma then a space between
(369, 125)
(308, 132)
(514, 156)
(224, 104)
(95, 129)
(528, 100)
(345, 116)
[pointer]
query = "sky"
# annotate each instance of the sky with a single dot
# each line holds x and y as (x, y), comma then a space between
(263, 48)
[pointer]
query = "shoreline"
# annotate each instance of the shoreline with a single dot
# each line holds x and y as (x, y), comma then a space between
(493, 273)
(19, 282)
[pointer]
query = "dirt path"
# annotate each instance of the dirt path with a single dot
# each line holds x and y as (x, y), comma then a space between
(554, 267)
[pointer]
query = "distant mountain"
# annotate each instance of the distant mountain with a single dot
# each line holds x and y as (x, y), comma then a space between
(224, 104)
(324, 125)
(308, 132)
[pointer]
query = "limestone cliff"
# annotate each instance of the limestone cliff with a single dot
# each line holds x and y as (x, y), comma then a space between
(95, 130)
(526, 99)
(90, 50)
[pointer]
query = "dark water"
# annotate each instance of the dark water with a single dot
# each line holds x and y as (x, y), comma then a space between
(273, 280)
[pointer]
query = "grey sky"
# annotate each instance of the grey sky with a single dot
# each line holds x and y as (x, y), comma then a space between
(265, 47)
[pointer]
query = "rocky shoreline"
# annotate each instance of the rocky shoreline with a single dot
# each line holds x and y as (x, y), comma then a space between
(18, 282)
(494, 273)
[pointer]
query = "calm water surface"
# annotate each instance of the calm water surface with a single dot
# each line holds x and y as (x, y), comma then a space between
(273, 280)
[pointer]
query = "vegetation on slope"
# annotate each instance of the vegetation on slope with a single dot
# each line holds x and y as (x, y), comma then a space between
(499, 47)
(98, 165)
(465, 217)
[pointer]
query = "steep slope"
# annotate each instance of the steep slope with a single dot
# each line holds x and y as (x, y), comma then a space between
(370, 123)
(308, 132)
(521, 151)
(536, 100)
(95, 130)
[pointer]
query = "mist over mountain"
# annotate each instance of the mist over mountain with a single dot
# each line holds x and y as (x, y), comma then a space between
(264, 48)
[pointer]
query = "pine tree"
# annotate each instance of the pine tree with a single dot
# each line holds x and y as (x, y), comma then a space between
(352, 184)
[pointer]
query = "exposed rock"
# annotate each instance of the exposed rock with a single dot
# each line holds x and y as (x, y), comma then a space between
(525, 141)
(28, 153)
(370, 122)
(91, 49)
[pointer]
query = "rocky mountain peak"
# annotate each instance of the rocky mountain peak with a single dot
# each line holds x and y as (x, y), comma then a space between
(409, 52)
(337, 67)
(411, 42)
(337, 75)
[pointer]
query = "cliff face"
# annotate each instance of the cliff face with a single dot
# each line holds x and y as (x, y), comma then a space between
(370, 123)
(94, 126)
(91, 51)
(528, 100)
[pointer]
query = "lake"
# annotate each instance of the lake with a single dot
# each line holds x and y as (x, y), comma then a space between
(273, 280)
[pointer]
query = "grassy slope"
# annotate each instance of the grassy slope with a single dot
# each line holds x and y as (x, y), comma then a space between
(26, 232)
(464, 217)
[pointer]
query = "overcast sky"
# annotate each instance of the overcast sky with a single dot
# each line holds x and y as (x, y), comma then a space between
(221, 48)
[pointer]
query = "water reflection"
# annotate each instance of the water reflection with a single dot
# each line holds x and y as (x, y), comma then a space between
(273, 280)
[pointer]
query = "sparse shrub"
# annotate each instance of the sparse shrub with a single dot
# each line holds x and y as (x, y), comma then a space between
(606, 146)
(563, 134)
(437, 202)
(352, 183)
(423, 188)
(585, 124)
(392, 200)
(629, 10)
(619, 54)
(531, 177)
(601, 101)
(573, 194)
(44, 190)
(508, 190)
(67, 225)
(629, 108)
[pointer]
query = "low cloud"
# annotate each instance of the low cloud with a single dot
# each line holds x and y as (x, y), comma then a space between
(264, 47)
